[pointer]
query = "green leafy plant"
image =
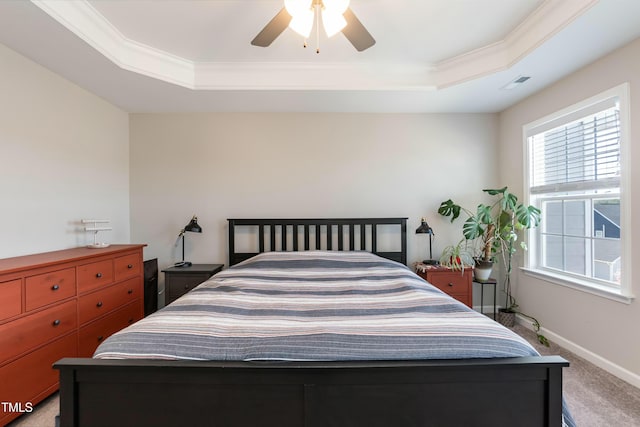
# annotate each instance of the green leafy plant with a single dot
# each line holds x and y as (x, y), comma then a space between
(457, 257)
(495, 225)
(493, 230)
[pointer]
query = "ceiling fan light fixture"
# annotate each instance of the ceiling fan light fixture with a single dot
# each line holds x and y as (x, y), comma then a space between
(336, 6)
(296, 7)
(333, 22)
(302, 23)
(299, 15)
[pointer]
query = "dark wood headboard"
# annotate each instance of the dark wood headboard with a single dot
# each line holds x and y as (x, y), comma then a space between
(294, 235)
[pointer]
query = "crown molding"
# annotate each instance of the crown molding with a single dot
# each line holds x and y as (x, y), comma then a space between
(546, 21)
(310, 76)
(87, 23)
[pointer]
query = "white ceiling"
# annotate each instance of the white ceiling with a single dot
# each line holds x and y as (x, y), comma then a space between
(430, 55)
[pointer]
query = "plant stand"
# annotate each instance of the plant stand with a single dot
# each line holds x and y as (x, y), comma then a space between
(494, 283)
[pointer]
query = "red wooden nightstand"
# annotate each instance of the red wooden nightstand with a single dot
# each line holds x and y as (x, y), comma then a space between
(453, 282)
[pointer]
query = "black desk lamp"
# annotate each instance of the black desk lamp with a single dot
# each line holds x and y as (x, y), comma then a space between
(425, 229)
(194, 228)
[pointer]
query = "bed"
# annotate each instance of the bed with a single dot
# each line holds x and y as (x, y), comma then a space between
(315, 324)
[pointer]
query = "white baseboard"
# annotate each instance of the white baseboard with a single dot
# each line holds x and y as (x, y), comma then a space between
(599, 361)
(486, 309)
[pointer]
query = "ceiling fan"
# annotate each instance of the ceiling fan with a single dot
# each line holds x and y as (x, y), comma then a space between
(299, 16)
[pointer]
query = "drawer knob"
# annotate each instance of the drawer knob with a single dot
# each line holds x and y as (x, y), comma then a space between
(56, 322)
(131, 320)
(186, 286)
(99, 275)
(55, 287)
(130, 266)
(451, 284)
(99, 304)
(130, 291)
(100, 338)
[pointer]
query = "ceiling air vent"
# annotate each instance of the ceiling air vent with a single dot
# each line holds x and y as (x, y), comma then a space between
(516, 82)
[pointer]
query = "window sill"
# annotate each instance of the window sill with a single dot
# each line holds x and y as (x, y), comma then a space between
(579, 285)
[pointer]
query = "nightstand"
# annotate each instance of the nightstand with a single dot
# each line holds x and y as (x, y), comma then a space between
(453, 282)
(180, 280)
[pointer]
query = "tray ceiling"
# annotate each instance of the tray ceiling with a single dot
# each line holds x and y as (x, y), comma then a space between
(430, 55)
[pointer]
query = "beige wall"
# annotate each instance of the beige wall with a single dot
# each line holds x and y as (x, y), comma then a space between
(594, 326)
(64, 156)
(220, 166)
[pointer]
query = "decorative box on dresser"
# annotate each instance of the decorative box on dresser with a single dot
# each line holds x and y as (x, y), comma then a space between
(456, 283)
(61, 304)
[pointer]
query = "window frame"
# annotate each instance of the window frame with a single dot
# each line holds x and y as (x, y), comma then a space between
(564, 116)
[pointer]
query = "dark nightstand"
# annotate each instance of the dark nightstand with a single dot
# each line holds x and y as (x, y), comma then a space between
(180, 280)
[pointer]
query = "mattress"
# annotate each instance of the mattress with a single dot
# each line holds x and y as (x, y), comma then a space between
(319, 306)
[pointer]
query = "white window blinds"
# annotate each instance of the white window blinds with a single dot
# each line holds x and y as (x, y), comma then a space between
(581, 155)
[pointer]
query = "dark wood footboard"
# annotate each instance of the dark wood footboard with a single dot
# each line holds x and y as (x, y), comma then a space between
(481, 392)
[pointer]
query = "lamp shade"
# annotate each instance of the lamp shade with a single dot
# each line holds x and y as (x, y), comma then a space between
(295, 7)
(336, 6)
(333, 22)
(332, 17)
(424, 227)
(193, 226)
(302, 23)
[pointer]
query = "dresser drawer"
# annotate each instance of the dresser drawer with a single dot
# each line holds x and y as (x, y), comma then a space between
(176, 285)
(49, 287)
(101, 302)
(95, 275)
(94, 333)
(453, 282)
(10, 299)
(128, 266)
(32, 377)
(463, 298)
(36, 329)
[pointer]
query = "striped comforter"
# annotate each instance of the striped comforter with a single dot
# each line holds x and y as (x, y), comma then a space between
(315, 306)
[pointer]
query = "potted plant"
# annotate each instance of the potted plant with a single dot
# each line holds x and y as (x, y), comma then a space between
(457, 257)
(494, 229)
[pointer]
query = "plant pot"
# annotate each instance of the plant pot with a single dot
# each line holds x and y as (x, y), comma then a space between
(506, 318)
(482, 270)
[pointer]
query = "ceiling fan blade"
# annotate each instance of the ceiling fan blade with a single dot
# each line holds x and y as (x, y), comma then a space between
(356, 33)
(273, 29)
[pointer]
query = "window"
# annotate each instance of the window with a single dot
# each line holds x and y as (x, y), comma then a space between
(575, 173)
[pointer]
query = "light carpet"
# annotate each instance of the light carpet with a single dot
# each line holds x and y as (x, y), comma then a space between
(595, 397)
